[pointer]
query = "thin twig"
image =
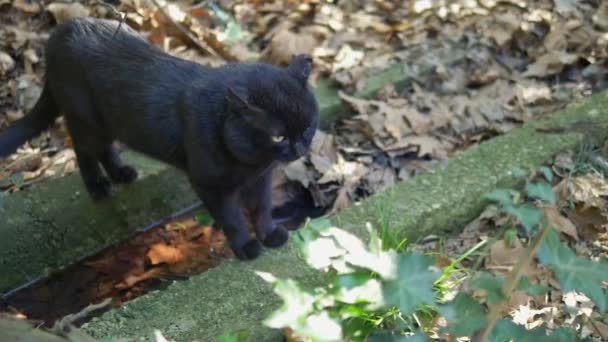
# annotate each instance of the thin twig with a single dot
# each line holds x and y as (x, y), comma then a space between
(512, 281)
(183, 30)
(69, 321)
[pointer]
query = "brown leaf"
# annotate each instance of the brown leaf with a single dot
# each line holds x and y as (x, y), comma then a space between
(285, 44)
(28, 6)
(160, 253)
(63, 11)
(503, 257)
(559, 222)
(297, 171)
(550, 63)
(341, 201)
(7, 63)
(588, 189)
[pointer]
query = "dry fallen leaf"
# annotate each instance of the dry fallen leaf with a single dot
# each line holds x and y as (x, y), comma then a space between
(588, 189)
(7, 63)
(550, 63)
(64, 11)
(559, 222)
(285, 44)
(160, 253)
(297, 171)
(28, 6)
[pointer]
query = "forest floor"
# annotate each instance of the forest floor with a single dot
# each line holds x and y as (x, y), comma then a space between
(519, 60)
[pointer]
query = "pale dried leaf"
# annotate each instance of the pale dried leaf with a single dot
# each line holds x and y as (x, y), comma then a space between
(297, 171)
(65, 11)
(559, 222)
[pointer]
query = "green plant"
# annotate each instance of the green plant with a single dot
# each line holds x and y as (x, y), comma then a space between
(376, 294)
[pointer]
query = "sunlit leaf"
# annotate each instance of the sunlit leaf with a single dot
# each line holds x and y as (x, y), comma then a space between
(382, 263)
(320, 252)
(297, 305)
(413, 285)
(369, 292)
(321, 327)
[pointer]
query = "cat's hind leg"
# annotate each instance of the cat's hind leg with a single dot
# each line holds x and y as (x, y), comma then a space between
(88, 148)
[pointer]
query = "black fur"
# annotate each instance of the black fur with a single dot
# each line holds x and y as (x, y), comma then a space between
(227, 128)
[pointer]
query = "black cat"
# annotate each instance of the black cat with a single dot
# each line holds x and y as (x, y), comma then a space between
(227, 127)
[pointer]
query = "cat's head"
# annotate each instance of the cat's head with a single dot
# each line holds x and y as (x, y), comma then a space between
(275, 116)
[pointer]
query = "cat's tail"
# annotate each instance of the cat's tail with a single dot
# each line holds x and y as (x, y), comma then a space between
(37, 120)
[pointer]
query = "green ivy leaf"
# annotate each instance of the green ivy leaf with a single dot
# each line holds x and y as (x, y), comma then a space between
(532, 289)
(527, 215)
(518, 173)
(413, 285)
(506, 330)
(501, 196)
(297, 305)
(491, 285)
(574, 272)
(464, 315)
(239, 336)
(547, 173)
(541, 191)
(204, 218)
(351, 280)
(562, 335)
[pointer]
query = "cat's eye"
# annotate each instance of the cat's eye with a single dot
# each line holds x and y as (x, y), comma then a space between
(278, 138)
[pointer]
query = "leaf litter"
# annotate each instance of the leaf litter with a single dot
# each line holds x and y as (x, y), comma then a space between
(581, 218)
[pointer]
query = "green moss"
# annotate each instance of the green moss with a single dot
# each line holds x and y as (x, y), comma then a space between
(56, 223)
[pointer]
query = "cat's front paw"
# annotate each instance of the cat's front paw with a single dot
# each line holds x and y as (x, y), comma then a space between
(99, 189)
(251, 250)
(125, 174)
(277, 238)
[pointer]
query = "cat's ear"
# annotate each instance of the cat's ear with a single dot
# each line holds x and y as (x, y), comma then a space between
(236, 102)
(300, 67)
